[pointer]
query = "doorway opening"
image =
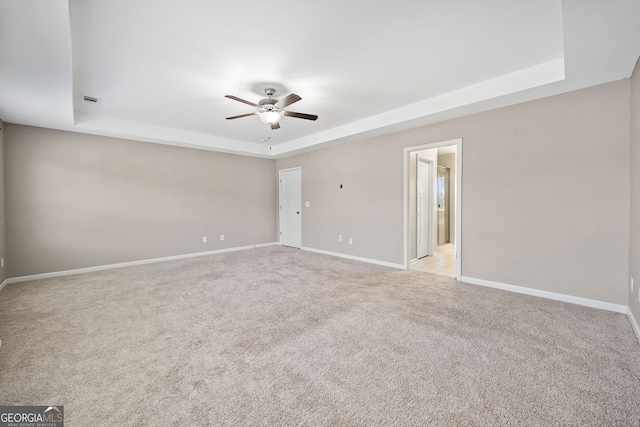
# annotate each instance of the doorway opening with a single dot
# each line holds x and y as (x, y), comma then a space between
(443, 205)
(433, 208)
(424, 216)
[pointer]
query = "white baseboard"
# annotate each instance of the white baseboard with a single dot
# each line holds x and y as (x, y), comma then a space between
(549, 295)
(355, 258)
(634, 323)
(130, 263)
(5, 283)
(413, 261)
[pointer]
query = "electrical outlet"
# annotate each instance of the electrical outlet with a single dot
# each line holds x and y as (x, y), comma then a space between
(204, 239)
(339, 238)
(631, 281)
(222, 237)
(350, 241)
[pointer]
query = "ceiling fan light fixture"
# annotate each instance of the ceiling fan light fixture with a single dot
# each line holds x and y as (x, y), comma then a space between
(270, 117)
(270, 110)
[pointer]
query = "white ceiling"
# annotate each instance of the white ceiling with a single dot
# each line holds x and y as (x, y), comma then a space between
(161, 68)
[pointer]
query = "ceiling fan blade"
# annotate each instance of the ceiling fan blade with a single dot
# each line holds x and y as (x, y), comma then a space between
(241, 115)
(288, 100)
(235, 98)
(300, 115)
(275, 126)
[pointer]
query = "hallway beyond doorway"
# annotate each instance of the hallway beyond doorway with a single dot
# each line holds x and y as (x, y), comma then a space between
(443, 263)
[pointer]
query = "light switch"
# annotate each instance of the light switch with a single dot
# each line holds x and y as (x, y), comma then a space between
(307, 204)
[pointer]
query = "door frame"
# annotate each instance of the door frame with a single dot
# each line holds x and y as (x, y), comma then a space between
(406, 217)
(280, 203)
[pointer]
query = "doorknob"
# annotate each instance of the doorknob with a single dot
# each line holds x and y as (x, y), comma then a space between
(298, 213)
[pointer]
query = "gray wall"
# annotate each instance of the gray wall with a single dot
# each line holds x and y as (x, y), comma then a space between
(76, 200)
(634, 246)
(3, 238)
(367, 208)
(545, 193)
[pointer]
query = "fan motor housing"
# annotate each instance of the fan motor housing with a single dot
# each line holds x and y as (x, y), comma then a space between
(267, 101)
(269, 105)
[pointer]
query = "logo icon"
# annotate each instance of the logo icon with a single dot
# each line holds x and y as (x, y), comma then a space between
(32, 416)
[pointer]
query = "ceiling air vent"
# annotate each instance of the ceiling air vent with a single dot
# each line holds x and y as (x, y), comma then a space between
(90, 99)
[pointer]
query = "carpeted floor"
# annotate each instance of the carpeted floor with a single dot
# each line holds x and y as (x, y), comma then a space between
(277, 336)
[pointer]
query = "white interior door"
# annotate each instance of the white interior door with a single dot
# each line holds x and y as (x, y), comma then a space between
(422, 205)
(290, 207)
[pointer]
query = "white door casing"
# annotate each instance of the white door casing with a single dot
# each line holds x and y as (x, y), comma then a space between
(290, 204)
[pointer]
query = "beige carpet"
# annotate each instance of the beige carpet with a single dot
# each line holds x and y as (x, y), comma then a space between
(277, 336)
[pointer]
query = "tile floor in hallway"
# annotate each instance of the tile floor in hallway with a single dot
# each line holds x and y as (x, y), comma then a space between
(443, 263)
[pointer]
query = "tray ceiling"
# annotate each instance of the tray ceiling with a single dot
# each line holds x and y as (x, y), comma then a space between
(160, 69)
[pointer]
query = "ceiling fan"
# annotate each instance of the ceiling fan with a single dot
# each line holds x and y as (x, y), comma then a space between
(271, 110)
